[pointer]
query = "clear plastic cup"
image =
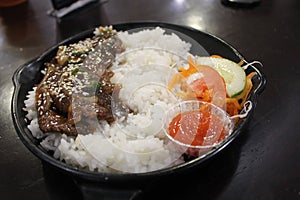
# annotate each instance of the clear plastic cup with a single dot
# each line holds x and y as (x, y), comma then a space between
(200, 126)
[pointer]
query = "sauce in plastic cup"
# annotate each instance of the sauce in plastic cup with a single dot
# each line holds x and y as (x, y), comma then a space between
(196, 127)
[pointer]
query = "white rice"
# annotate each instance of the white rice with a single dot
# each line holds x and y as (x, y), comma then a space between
(155, 38)
(135, 143)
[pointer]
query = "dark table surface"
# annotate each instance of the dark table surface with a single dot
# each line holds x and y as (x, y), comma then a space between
(263, 162)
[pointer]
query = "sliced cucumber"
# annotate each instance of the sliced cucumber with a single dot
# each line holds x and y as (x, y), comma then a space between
(233, 74)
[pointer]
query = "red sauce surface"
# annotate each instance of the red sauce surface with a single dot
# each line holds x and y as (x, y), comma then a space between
(197, 128)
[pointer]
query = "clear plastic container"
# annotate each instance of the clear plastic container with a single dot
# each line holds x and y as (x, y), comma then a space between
(196, 127)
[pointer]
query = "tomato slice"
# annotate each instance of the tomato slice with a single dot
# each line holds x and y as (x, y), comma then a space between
(210, 86)
(200, 90)
(215, 85)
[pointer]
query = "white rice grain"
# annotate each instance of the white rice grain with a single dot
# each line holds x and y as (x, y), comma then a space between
(135, 143)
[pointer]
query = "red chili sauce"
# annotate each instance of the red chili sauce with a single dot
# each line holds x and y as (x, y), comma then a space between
(197, 127)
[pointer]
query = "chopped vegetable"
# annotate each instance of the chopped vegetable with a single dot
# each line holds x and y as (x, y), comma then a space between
(75, 71)
(213, 76)
(233, 74)
(200, 82)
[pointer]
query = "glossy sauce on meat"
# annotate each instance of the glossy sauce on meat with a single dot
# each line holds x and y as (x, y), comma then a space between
(76, 91)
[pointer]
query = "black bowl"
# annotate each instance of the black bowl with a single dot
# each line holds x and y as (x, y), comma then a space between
(29, 74)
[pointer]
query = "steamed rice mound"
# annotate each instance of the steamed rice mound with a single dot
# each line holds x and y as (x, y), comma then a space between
(136, 142)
